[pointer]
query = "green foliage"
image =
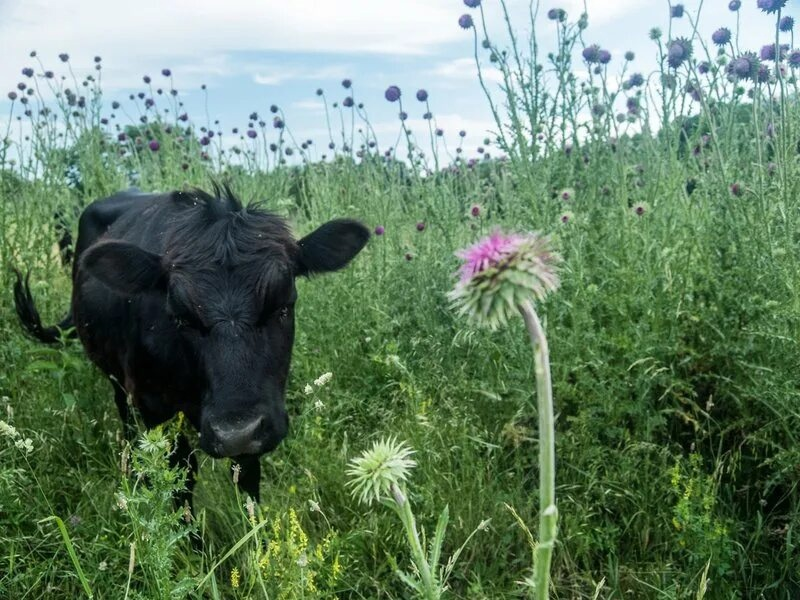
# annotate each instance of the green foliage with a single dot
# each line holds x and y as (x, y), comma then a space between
(673, 340)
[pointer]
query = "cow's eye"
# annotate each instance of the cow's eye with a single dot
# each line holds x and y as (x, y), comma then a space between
(283, 313)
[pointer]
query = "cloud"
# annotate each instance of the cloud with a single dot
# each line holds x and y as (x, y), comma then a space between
(274, 74)
(151, 34)
(464, 69)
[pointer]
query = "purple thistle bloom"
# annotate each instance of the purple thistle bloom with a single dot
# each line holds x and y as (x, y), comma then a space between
(104, 121)
(12, 95)
(439, 132)
(183, 117)
(472, 3)
(64, 57)
(786, 24)
(734, 5)
(462, 133)
(49, 74)
(403, 115)
(745, 66)
(422, 95)
(557, 14)
(146, 79)
(154, 145)
(347, 102)
(768, 52)
(679, 52)
(591, 54)
(140, 95)
(205, 141)
(721, 36)
(149, 103)
(794, 58)
(392, 93)
(704, 67)
(604, 57)
(251, 133)
(771, 6)
(319, 91)
(273, 147)
(122, 137)
(598, 110)
(21, 86)
(421, 226)
(97, 59)
(379, 230)
(273, 108)
(277, 123)
(253, 116)
(676, 12)
(427, 116)
(27, 71)
(346, 84)
(166, 72)
(636, 80)
(763, 74)
(736, 189)
(465, 21)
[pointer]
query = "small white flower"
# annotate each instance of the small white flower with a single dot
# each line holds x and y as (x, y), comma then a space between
(8, 430)
(323, 379)
(102, 566)
(25, 444)
(318, 405)
(308, 390)
(122, 502)
(302, 561)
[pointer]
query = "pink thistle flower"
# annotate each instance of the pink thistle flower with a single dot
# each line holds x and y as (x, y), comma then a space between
(488, 252)
(502, 273)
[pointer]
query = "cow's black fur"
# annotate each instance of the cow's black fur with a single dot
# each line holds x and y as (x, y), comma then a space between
(186, 300)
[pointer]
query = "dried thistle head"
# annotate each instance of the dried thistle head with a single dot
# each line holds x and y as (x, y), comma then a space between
(500, 273)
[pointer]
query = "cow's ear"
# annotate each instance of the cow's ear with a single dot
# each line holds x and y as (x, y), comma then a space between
(123, 267)
(331, 246)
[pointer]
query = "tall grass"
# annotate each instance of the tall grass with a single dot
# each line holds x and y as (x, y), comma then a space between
(673, 339)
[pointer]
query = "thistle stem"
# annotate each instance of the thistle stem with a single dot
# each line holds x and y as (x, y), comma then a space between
(548, 513)
(403, 508)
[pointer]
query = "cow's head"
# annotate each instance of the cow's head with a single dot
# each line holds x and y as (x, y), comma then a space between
(227, 282)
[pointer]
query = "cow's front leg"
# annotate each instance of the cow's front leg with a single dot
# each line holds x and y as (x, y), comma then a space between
(248, 477)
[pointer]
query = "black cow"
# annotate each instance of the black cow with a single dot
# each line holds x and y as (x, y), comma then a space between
(186, 300)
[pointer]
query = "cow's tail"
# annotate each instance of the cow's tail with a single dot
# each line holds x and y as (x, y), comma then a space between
(29, 316)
